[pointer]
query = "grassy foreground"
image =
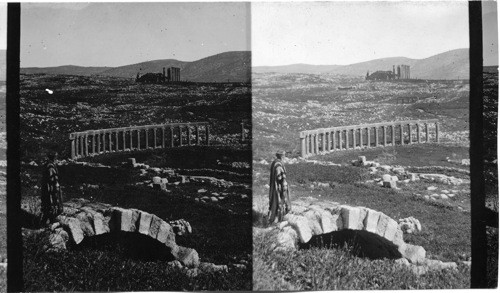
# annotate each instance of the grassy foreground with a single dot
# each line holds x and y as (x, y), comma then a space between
(445, 227)
(221, 233)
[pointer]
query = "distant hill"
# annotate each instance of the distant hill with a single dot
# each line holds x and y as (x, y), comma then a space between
(297, 68)
(448, 65)
(65, 70)
(232, 66)
(3, 65)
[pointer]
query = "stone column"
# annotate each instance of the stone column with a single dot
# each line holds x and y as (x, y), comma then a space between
(98, 142)
(393, 133)
(361, 137)
(163, 136)
(368, 142)
(401, 134)
(86, 142)
(322, 141)
(418, 132)
(354, 133)
(334, 140)
(197, 134)
(154, 137)
(384, 135)
(147, 138)
(437, 132)
(409, 133)
(180, 135)
(130, 138)
(208, 136)
(124, 140)
(171, 136)
(110, 142)
(341, 139)
(116, 140)
(376, 136)
(302, 145)
(93, 143)
(189, 134)
(316, 143)
(81, 145)
(308, 144)
(426, 132)
(72, 138)
(138, 139)
(85, 145)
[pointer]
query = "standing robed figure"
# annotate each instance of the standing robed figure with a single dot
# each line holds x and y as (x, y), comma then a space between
(279, 198)
(52, 203)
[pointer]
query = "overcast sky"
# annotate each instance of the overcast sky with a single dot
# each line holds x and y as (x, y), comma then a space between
(490, 33)
(3, 26)
(345, 33)
(115, 34)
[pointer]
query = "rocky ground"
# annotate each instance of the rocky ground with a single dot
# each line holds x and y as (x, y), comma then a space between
(206, 186)
(427, 184)
(216, 208)
(285, 104)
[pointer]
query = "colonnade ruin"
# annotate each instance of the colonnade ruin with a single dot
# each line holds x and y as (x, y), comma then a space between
(93, 142)
(323, 140)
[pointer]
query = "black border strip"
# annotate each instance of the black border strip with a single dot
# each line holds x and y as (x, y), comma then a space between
(14, 236)
(478, 227)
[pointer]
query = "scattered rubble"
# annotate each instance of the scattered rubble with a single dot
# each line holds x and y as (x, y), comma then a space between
(410, 225)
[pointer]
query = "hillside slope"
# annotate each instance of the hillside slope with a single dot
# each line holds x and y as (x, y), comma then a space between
(448, 65)
(233, 66)
(64, 70)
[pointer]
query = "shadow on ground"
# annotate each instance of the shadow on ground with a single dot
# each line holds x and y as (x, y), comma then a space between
(363, 243)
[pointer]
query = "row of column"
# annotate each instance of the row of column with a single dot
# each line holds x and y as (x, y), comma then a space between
(84, 144)
(351, 137)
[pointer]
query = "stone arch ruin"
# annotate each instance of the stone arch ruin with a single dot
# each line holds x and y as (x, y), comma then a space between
(82, 218)
(310, 217)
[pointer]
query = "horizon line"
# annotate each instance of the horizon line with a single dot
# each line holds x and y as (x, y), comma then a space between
(131, 63)
(289, 64)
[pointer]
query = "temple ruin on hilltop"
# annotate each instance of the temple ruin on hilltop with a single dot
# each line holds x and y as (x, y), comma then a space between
(401, 72)
(173, 74)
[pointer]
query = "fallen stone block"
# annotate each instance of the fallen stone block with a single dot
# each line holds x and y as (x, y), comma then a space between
(86, 223)
(386, 177)
(212, 268)
(187, 256)
(300, 224)
(74, 227)
(181, 227)
(131, 162)
(156, 180)
(159, 186)
(389, 184)
(58, 239)
(413, 253)
(287, 239)
(402, 261)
